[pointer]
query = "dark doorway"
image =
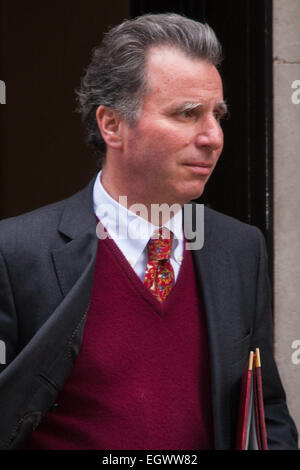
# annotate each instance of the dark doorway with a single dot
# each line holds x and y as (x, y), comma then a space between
(44, 48)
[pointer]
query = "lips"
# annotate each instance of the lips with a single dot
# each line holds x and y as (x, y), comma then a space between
(200, 164)
(201, 168)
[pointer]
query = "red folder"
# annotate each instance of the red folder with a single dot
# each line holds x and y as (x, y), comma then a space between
(251, 433)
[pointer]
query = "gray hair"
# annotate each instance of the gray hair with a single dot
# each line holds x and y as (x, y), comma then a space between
(116, 76)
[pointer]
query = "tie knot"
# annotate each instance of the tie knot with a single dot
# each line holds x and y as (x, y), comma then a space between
(160, 245)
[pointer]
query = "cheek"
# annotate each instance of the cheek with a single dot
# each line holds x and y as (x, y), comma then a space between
(164, 141)
(155, 144)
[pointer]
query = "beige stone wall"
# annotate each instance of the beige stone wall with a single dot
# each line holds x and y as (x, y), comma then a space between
(286, 54)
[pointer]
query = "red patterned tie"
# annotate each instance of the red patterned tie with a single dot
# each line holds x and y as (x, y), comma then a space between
(159, 274)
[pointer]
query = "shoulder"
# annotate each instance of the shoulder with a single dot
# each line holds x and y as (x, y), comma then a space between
(28, 223)
(225, 223)
(28, 238)
(40, 226)
(230, 232)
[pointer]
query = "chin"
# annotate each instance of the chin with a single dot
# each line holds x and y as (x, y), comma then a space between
(194, 193)
(184, 200)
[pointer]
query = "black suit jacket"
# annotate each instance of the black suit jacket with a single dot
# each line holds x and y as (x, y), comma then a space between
(47, 260)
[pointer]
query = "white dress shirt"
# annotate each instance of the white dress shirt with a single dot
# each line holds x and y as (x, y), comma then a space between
(131, 232)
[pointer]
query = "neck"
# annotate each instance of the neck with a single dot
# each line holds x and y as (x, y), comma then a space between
(152, 209)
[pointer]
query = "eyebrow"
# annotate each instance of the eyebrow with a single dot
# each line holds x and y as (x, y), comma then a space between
(189, 106)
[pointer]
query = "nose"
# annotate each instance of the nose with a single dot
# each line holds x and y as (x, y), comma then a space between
(209, 134)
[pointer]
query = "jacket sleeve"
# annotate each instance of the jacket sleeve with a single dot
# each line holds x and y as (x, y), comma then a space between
(281, 430)
(8, 318)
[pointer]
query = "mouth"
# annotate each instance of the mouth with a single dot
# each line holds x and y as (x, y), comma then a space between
(201, 168)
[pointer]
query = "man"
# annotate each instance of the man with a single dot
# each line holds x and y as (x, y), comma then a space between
(138, 342)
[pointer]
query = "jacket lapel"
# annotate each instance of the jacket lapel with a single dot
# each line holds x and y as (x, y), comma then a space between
(211, 263)
(78, 227)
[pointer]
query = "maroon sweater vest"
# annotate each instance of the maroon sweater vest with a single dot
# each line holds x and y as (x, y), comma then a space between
(141, 379)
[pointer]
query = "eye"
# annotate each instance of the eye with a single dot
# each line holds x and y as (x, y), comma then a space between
(187, 114)
(219, 116)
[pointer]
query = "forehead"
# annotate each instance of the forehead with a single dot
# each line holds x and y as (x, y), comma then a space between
(171, 72)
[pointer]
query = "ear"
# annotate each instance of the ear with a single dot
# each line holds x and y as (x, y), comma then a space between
(109, 123)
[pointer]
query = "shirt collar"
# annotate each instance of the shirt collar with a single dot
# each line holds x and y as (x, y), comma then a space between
(129, 231)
